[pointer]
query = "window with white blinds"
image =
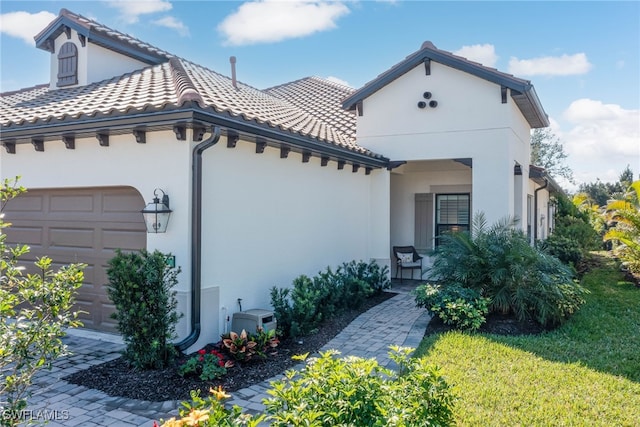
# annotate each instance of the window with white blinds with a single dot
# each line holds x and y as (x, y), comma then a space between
(452, 213)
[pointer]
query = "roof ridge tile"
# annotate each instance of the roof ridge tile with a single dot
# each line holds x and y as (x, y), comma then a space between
(184, 87)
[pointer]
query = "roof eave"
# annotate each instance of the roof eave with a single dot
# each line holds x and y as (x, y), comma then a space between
(56, 28)
(120, 124)
(540, 176)
(537, 119)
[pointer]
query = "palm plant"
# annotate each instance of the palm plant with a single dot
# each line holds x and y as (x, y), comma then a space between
(624, 213)
(499, 262)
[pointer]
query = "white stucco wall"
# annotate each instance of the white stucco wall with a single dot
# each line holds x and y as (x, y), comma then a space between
(266, 220)
(270, 220)
(469, 122)
(163, 162)
(95, 63)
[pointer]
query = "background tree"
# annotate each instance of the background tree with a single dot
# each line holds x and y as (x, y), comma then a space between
(600, 193)
(547, 152)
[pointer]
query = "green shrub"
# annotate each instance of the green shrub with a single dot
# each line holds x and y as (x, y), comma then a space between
(375, 276)
(352, 391)
(301, 309)
(499, 263)
(141, 287)
(456, 305)
(282, 309)
(211, 412)
(206, 365)
(575, 225)
(565, 249)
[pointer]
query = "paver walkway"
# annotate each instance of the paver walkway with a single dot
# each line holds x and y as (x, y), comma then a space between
(395, 321)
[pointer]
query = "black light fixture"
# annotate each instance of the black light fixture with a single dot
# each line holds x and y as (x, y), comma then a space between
(156, 214)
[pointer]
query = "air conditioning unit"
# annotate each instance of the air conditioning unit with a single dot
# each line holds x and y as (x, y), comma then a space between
(251, 320)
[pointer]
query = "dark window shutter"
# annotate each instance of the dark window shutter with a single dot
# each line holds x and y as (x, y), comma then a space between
(68, 65)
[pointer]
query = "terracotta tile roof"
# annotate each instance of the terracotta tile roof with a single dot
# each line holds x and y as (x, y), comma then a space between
(322, 99)
(168, 86)
(102, 35)
(308, 107)
(149, 88)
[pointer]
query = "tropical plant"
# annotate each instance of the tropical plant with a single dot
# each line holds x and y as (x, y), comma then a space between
(624, 215)
(464, 308)
(266, 342)
(35, 311)
(500, 264)
(211, 412)
(353, 391)
(240, 347)
(141, 286)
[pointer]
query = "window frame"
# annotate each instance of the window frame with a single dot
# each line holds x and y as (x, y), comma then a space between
(441, 227)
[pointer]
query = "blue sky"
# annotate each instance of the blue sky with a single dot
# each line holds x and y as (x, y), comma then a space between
(582, 57)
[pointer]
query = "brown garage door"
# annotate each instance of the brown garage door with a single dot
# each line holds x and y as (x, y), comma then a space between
(80, 225)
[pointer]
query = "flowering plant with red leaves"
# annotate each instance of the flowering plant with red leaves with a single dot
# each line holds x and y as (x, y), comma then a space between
(208, 365)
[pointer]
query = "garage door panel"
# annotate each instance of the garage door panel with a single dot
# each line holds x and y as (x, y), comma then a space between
(71, 238)
(79, 226)
(71, 204)
(31, 236)
(120, 239)
(27, 203)
(121, 203)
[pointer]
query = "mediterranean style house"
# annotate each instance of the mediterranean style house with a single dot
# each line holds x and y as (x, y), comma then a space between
(263, 185)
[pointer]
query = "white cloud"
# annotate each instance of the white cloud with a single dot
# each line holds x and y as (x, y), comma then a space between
(565, 65)
(25, 25)
(339, 81)
(482, 53)
(276, 20)
(602, 141)
(130, 10)
(174, 24)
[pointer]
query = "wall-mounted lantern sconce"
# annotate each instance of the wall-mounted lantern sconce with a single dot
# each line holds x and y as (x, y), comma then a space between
(156, 214)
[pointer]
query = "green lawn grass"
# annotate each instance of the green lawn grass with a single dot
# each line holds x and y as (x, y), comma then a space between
(586, 372)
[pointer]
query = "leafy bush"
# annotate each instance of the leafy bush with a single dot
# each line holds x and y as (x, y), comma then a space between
(574, 230)
(282, 309)
(207, 365)
(301, 309)
(358, 392)
(141, 287)
(35, 311)
(565, 249)
(461, 307)
(240, 347)
(211, 412)
(375, 276)
(499, 263)
(266, 342)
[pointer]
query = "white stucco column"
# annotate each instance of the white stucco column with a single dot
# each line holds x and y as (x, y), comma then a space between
(379, 216)
(493, 184)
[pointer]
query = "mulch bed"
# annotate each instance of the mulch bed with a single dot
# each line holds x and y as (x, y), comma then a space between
(116, 378)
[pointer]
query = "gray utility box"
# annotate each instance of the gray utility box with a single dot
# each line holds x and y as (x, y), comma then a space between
(251, 320)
